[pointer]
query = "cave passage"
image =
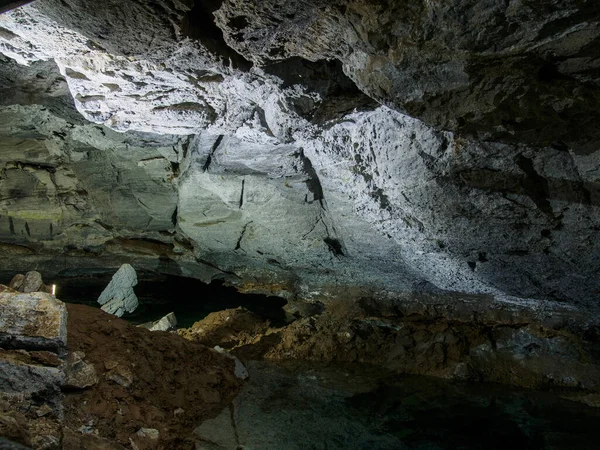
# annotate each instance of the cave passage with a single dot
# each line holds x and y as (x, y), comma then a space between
(190, 299)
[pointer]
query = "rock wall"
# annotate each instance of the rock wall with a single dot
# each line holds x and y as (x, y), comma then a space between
(271, 147)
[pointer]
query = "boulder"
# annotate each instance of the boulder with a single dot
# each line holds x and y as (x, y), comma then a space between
(32, 321)
(79, 373)
(118, 297)
(167, 323)
(32, 282)
(27, 383)
(16, 282)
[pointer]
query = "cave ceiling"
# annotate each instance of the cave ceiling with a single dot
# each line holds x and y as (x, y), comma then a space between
(301, 147)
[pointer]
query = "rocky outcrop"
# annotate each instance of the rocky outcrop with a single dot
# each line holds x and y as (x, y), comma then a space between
(446, 335)
(30, 282)
(166, 323)
(435, 166)
(294, 182)
(35, 321)
(494, 70)
(118, 297)
(33, 338)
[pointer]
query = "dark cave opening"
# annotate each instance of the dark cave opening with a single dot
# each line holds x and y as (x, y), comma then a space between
(199, 24)
(190, 299)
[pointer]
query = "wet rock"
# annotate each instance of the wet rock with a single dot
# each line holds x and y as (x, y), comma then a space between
(79, 373)
(118, 297)
(35, 321)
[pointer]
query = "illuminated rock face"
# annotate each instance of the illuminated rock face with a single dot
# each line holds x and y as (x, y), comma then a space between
(272, 147)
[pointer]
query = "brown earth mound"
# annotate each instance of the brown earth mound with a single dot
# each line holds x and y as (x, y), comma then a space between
(151, 380)
(228, 328)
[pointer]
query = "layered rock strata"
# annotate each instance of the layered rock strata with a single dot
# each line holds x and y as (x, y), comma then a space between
(315, 151)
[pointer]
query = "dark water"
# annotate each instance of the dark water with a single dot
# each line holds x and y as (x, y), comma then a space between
(190, 299)
(314, 406)
(303, 406)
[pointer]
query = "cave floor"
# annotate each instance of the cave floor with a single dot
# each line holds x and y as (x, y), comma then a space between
(315, 406)
(289, 405)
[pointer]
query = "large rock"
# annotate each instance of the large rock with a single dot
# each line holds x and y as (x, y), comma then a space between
(32, 321)
(27, 381)
(118, 297)
(33, 336)
(488, 68)
(80, 374)
(166, 323)
(32, 282)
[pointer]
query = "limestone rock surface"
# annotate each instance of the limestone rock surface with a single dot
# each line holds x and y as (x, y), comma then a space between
(166, 323)
(297, 147)
(34, 320)
(118, 297)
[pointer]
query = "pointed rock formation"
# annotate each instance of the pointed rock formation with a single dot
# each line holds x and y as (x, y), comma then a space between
(118, 297)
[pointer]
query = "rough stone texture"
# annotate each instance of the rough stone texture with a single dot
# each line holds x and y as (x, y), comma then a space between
(79, 373)
(166, 323)
(240, 370)
(27, 383)
(499, 70)
(285, 177)
(32, 321)
(33, 340)
(447, 335)
(32, 282)
(16, 282)
(118, 297)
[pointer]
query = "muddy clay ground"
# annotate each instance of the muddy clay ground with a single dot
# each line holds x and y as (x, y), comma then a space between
(163, 381)
(142, 380)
